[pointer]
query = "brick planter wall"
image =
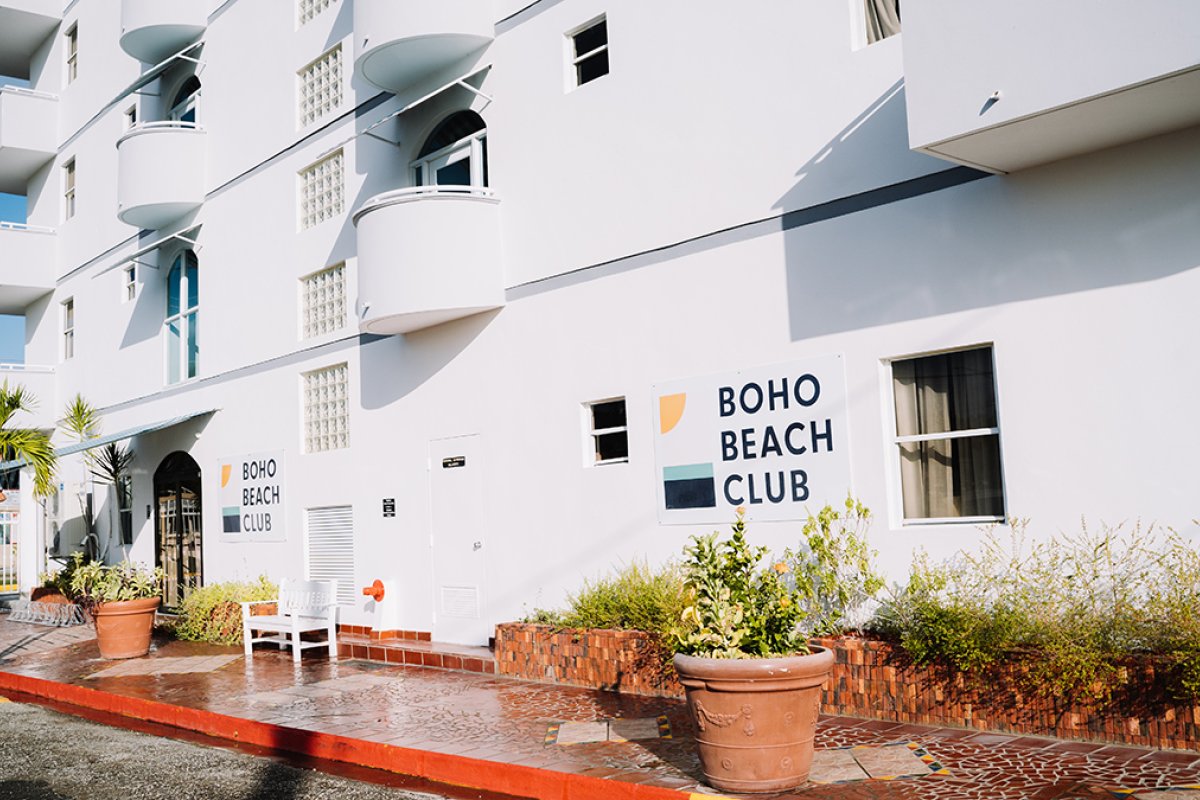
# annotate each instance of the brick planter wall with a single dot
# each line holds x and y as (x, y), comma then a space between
(622, 661)
(872, 679)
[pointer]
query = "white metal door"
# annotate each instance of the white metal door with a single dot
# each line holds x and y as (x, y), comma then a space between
(459, 551)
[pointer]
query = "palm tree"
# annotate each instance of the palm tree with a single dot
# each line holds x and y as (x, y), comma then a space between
(27, 444)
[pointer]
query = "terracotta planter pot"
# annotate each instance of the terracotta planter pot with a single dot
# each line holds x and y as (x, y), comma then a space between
(755, 718)
(123, 627)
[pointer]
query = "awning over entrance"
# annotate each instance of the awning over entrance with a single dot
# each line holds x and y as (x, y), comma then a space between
(100, 441)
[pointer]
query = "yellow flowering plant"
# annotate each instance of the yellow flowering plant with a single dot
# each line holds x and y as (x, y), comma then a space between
(733, 607)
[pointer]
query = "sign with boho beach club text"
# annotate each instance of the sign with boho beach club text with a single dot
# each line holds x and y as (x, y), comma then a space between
(772, 439)
(251, 497)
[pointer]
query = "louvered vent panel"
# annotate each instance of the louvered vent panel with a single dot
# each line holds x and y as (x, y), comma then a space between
(330, 533)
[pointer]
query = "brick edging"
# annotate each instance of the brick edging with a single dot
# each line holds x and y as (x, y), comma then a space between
(514, 779)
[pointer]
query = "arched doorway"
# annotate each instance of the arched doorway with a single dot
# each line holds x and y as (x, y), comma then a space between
(177, 526)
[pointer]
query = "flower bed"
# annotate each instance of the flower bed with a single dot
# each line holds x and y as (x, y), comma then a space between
(620, 661)
(873, 679)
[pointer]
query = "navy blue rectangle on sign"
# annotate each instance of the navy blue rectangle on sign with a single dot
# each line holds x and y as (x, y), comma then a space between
(232, 524)
(690, 493)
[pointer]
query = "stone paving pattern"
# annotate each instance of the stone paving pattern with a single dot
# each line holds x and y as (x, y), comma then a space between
(22, 638)
(504, 720)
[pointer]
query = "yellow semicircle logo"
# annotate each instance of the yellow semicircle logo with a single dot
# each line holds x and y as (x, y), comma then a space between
(670, 410)
(225, 470)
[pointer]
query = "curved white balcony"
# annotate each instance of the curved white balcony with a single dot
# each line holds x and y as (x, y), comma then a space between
(27, 267)
(428, 255)
(160, 172)
(151, 30)
(398, 44)
(28, 135)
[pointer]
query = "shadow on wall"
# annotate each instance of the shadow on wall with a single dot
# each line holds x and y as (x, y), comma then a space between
(949, 242)
(397, 365)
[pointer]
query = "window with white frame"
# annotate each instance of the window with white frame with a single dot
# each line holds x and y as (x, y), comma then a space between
(71, 49)
(181, 327)
(306, 10)
(320, 86)
(327, 409)
(128, 283)
(607, 433)
(68, 328)
(68, 189)
(455, 154)
(589, 52)
(329, 548)
(323, 301)
(321, 191)
(948, 437)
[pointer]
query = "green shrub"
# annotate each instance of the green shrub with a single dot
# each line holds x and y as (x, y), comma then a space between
(60, 580)
(635, 597)
(739, 609)
(1079, 604)
(213, 613)
(93, 583)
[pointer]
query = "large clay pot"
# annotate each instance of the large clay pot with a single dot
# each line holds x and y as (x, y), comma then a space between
(123, 627)
(755, 717)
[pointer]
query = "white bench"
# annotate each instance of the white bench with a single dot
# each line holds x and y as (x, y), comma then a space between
(302, 606)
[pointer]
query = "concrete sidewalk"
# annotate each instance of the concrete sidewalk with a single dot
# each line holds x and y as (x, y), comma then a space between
(544, 741)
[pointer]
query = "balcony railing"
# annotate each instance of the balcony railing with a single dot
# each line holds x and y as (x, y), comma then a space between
(398, 44)
(160, 172)
(428, 255)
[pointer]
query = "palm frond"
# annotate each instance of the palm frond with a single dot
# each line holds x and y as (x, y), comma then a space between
(35, 449)
(14, 398)
(80, 419)
(110, 462)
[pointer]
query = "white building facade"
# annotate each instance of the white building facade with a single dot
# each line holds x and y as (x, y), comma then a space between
(484, 297)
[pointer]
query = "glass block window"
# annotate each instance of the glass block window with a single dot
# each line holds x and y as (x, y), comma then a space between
(607, 431)
(589, 52)
(327, 409)
(323, 296)
(948, 437)
(321, 191)
(308, 9)
(320, 86)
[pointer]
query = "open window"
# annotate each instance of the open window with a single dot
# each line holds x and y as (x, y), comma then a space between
(455, 154)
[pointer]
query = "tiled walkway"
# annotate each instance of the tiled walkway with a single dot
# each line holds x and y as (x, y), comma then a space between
(482, 722)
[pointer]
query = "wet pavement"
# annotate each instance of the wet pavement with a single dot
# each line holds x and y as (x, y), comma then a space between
(536, 738)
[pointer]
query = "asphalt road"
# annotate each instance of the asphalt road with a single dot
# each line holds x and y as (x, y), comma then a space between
(45, 755)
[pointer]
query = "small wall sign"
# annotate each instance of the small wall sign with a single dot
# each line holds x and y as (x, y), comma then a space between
(251, 496)
(453, 462)
(389, 506)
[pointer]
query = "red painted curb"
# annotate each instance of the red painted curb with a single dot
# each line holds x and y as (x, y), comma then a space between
(514, 779)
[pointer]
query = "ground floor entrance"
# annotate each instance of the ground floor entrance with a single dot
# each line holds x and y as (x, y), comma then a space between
(177, 527)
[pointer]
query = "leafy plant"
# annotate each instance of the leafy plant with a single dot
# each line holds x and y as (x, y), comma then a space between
(29, 445)
(60, 580)
(833, 572)
(213, 613)
(635, 597)
(742, 604)
(735, 609)
(95, 583)
(1079, 605)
